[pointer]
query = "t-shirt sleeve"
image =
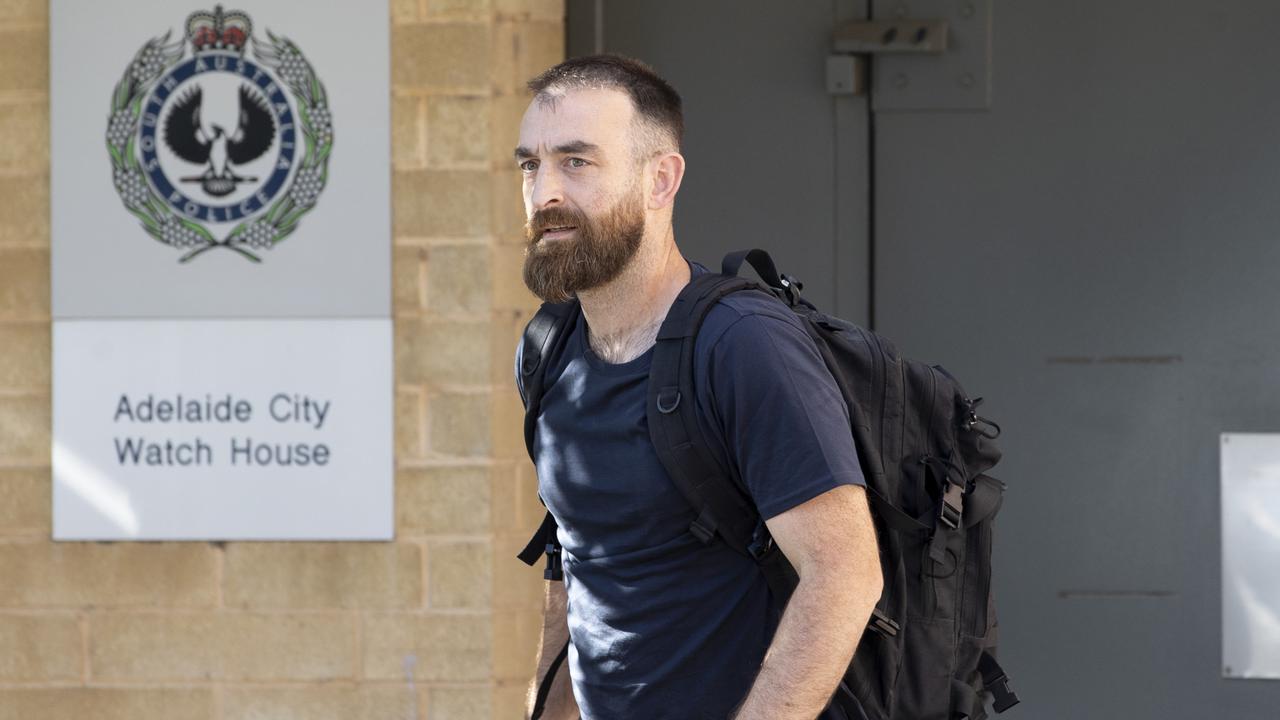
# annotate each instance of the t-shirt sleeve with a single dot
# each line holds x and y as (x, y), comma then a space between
(784, 423)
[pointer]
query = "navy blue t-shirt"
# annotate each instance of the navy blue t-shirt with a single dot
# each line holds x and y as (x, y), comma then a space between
(661, 625)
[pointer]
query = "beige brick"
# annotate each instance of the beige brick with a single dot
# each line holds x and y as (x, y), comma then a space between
(440, 56)
(24, 281)
(323, 575)
(507, 431)
(441, 203)
(25, 128)
(39, 648)
(27, 505)
(321, 702)
(508, 288)
(410, 425)
(66, 703)
(221, 646)
(458, 279)
(523, 49)
(24, 59)
(530, 510)
(505, 336)
(104, 575)
(443, 500)
(442, 352)
(509, 701)
(456, 703)
(460, 424)
(515, 644)
(24, 214)
(407, 137)
(446, 8)
(24, 362)
(432, 647)
(459, 574)
(548, 9)
(25, 11)
(502, 486)
(516, 586)
(408, 274)
(403, 11)
(504, 123)
(25, 423)
(457, 131)
(507, 203)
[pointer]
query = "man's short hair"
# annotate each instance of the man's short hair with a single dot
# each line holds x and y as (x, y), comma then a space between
(657, 105)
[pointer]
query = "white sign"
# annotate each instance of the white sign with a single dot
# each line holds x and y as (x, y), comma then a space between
(221, 258)
(1251, 555)
(166, 435)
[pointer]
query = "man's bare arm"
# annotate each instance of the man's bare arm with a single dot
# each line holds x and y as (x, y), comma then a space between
(831, 542)
(555, 634)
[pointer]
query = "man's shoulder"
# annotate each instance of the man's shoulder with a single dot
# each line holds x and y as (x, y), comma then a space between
(743, 317)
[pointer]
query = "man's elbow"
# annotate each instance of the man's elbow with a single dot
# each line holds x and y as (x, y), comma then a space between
(854, 581)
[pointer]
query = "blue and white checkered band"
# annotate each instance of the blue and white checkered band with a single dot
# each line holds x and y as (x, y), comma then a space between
(151, 124)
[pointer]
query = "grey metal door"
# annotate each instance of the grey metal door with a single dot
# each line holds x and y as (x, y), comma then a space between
(1094, 253)
(773, 160)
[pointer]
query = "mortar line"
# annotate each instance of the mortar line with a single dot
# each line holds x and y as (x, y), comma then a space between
(86, 671)
(357, 662)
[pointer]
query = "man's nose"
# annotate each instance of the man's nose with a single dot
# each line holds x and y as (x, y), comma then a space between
(547, 189)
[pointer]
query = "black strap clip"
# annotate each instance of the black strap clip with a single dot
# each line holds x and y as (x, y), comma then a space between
(952, 505)
(703, 528)
(996, 682)
(555, 565)
(883, 624)
(761, 542)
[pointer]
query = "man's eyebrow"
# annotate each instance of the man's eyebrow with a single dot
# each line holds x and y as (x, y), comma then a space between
(575, 147)
(569, 148)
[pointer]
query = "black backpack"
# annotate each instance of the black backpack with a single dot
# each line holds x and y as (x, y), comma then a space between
(924, 450)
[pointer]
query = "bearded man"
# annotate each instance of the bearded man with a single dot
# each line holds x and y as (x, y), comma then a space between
(662, 625)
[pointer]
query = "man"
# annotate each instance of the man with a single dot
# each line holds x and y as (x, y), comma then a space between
(662, 625)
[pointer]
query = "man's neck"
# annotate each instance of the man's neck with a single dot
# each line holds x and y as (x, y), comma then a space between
(623, 316)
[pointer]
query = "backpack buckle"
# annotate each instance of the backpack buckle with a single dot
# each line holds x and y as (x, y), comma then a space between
(883, 624)
(703, 528)
(952, 505)
(761, 542)
(555, 566)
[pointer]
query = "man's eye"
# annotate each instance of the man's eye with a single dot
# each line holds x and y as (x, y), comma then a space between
(529, 165)
(577, 162)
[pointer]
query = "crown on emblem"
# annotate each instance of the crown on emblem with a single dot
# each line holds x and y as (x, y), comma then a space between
(218, 30)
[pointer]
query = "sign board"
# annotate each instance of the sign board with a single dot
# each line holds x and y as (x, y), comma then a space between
(1251, 555)
(221, 271)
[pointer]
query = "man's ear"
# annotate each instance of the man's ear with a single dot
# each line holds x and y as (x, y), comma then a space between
(668, 172)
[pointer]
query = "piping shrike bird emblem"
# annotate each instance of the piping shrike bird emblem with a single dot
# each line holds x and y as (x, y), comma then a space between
(220, 138)
(214, 145)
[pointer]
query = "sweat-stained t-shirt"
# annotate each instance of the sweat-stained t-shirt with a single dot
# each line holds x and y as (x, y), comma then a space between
(663, 626)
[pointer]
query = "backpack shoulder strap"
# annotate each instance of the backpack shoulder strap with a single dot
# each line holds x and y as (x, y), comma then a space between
(677, 437)
(544, 336)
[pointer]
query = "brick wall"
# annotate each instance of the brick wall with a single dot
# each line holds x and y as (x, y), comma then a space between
(439, 624)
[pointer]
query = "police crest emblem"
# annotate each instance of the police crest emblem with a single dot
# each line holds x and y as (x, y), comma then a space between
(216, 147)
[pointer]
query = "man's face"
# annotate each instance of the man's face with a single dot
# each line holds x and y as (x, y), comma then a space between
(583, 192)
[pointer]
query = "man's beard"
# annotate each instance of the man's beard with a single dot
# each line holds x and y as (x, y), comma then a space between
(557, 270)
